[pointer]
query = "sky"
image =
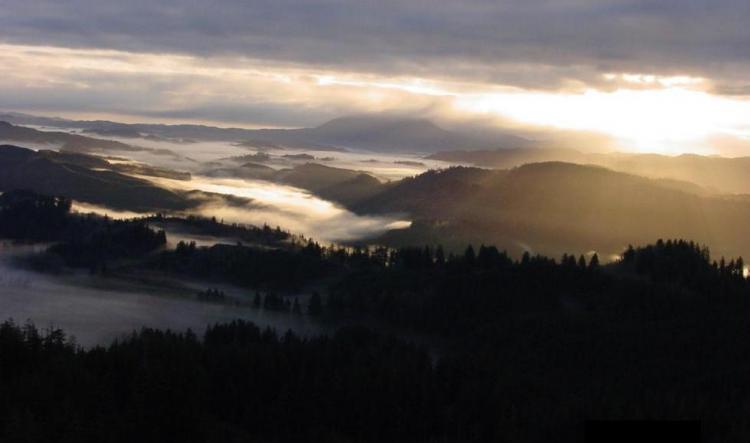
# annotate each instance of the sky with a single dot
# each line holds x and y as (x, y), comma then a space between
(662, 76)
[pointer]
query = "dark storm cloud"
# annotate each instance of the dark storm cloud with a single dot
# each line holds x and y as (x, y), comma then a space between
(539, 44)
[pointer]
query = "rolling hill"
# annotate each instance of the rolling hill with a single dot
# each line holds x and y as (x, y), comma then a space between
(557, 207)
(83, 178)
(717, 174)
(62, 140)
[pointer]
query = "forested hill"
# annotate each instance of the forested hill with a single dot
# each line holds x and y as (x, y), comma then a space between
(83, 178)
(538, 347)
(719, 174)
(559, 207)
(529, 347)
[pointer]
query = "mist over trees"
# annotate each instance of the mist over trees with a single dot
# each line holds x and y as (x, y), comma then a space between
(531, 349)
(517, 349)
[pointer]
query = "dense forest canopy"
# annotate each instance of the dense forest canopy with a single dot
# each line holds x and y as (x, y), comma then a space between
(659, 333)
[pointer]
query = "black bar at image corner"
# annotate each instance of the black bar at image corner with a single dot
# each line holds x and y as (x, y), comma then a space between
(642, 431)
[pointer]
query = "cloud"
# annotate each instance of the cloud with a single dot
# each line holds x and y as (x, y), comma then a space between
(287, 63)
(176, 88)
(532, 44)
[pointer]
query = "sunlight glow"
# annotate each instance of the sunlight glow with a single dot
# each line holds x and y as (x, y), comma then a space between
(653, 120)
(641, 111)
(415, 86)
(656, 80)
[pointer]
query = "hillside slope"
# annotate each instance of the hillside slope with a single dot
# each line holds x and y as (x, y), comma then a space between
(559, 207)
(718, 174)
(82, 178)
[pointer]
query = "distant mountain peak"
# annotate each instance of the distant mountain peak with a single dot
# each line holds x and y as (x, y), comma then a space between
(379, 121)
(391, 133)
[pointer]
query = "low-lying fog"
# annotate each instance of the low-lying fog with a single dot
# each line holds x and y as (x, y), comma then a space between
(96, 315)
(293, 209)
(96, 311)
(290, 208)
(192, 156)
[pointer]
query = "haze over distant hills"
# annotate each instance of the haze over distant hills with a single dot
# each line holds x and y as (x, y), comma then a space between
(380, 133)
(386, 134)
(66, 142)
(557, 207)
(546, 200)
(63, 140)
(716, 174)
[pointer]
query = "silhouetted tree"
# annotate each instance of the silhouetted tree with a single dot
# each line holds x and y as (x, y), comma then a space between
(439, 256)
(315, 307)
(469, 255)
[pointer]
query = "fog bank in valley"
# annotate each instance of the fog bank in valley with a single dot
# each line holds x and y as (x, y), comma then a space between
(96, 315)
(290, 208)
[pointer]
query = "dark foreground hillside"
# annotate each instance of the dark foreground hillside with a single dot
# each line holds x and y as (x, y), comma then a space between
(535, 348)
(519, 349)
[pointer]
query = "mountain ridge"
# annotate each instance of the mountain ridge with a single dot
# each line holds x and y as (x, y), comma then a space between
(555, 207)
(376, 132)
(714, 173)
